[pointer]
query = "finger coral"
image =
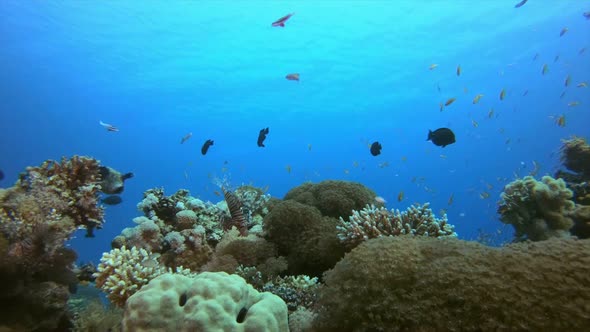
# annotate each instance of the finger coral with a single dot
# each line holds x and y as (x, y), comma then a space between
(372, 222)
(537, 210)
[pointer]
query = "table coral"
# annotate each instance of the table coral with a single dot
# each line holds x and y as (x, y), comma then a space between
(537, 210)
(372, 222)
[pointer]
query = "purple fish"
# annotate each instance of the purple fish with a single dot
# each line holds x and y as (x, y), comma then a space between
(520, 4)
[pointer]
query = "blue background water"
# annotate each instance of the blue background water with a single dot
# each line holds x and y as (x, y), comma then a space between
(158, 70)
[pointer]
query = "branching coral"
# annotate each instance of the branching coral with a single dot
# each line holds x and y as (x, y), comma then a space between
(372, 222)
(122, 272)
(537, 210)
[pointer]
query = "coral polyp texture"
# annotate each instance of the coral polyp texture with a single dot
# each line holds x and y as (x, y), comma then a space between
(575, 156)
(537, 210)
(209, 301)
(372, 222)
(413, 283)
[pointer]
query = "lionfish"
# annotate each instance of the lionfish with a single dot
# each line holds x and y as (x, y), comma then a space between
(235, 210)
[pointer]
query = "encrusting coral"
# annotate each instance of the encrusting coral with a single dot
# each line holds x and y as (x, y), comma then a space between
(37, 215)
(372, 222)
(417, 283)
(537, 210)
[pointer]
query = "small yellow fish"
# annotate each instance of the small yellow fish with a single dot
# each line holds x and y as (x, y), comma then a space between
(573, 103)
(545, 69)
(474, 123)
(450, 101)
(433, 66)
(288, 168)
(400, 196)
(404, 158)
(563, 31)
(560, 121)
(502, 94)
(582, 85)
(484, 195)
(567, 81)
(450, 202)
(459, 70)
(477, 98)
(491, 113)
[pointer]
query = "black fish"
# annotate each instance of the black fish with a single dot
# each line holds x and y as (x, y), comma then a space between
(586, 15)
(262, 136)
(376, 148)
(112, 200)
(206, 146)
(441, 137)
(520, 4)
(1, 175)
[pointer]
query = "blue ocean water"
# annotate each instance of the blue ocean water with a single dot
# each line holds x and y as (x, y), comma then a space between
(159, 70)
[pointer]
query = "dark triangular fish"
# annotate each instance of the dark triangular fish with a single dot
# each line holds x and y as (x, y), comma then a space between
(376, 148)
(206, 146)
(262, 136)
(112, 200)
(441, 137)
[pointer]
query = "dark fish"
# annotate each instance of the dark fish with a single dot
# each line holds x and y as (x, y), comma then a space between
(520, 4)
(281, 21)
(1, 175)
(206, 146)
(262, 136)
(112, 200)
(441, 137)
(586, 15)
(376, 148)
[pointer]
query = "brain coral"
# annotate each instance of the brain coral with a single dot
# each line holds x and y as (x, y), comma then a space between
(428, 284)
(538, 210)
(209, 301)
(333, 198)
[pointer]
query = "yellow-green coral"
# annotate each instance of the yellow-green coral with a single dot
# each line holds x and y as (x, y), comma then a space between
(575, 155)
(538, 210)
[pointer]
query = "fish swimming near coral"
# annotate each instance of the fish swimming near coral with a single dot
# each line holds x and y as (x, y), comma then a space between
(109, 127)
(262, 136)
(292, 77)
(206, 146)
(186, 137)
(376, 148)
(235, 210)
(281, 21)
(520, 4)
(112, 200)
(112, 181)
(441, 137)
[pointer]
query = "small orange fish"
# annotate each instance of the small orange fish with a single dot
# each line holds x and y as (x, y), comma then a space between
(477, 98)
(567, 81)
(293, 77)
(561, 121)
(288, 168)
(545, 69)
(474, 123)
(582, 85)
(563, 31)
(400, 196)
(491, 113)
(502, 94)
(404, 159)
(433, 66)
(573, 103)
(450, 101)
(459, 70)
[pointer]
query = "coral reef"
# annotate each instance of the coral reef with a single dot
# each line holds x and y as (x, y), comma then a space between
(37, 215)
(575, 156)
(333, 198)
(537, 210)
(122, 272)
(304, 237)
(431, 284)
(206, 302)
(372, 222)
